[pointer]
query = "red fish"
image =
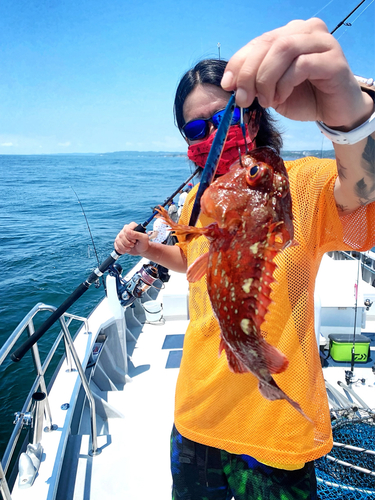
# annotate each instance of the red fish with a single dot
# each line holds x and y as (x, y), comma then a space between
(252, 209)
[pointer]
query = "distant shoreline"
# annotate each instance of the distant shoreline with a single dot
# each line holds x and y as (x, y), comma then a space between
(326, 153)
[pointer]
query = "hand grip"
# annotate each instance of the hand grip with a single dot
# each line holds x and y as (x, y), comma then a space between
(140, 229)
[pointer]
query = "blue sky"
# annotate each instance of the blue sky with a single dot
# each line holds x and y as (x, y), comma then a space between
(93, 76)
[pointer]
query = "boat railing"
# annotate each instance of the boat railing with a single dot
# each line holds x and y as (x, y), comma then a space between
(24, 417)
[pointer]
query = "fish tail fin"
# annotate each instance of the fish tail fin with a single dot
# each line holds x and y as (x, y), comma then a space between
(270, 390)
(276, 361)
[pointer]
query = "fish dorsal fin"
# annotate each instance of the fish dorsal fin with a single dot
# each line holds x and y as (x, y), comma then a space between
(197, 269)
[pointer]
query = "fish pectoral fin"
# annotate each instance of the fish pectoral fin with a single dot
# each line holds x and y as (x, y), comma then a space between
(276, 361)
(184, 233)
(197, 269)
(279, 237)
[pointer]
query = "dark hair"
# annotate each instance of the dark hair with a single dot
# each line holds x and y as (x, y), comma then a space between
(210, 71)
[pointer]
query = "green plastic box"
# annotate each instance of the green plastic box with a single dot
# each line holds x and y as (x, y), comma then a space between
(340, 347)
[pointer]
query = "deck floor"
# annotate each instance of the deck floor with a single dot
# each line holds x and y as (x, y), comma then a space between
(135, 449)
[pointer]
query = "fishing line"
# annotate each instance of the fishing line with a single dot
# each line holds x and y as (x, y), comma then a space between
(92, 239)
(359, 15)
(323, 8)
(347, 17)
(19, 353)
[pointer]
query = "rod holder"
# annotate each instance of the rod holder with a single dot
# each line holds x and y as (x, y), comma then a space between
(39, 399)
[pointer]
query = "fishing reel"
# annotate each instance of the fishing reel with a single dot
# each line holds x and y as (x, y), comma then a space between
(368, 304)
(136, 286)
(349, 377)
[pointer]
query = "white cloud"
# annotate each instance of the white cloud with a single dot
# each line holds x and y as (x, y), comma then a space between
(7, 144)
(65, 144)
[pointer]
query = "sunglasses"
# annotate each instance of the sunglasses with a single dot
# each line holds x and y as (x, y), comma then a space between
(198, 129)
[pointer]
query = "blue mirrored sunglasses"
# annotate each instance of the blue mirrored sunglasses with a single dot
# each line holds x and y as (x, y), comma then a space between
(198, 129)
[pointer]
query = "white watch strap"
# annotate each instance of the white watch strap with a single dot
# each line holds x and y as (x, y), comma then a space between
(351, 137)
(359, 133)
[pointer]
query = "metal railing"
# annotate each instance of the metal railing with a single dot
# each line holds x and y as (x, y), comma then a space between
(40, 382)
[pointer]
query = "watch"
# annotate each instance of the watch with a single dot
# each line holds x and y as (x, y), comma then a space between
(353, 136)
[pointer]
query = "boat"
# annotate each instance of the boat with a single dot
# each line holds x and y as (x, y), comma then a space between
(100, 427)
(367, 260)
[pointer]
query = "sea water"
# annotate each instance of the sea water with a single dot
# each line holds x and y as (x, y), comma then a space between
(45, 246)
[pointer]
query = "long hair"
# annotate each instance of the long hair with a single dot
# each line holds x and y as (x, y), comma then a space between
(211, 71)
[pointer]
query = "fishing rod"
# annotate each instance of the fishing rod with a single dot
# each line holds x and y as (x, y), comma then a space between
(92, 239)
(347, 17)
(19, 353)
(141, 228)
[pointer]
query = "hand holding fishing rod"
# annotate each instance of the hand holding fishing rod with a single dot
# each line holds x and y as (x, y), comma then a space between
(19, 353)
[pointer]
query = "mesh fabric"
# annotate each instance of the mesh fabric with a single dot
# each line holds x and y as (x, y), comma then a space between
(226, 410)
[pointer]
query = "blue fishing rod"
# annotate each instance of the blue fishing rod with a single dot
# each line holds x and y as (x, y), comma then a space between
(213, 157)
(19, 353)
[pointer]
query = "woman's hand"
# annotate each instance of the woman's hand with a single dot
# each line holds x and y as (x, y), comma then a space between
(131, 242)
(301, 72)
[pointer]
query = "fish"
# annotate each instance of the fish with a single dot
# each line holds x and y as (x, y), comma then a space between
(251, 207)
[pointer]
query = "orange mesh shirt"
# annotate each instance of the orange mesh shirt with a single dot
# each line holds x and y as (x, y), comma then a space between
(226, 410)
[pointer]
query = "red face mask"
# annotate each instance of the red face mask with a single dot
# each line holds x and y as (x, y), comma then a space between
(198, 153)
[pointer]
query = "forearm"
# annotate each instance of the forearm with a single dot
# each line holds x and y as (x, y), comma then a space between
(169, 256)
(136, 243)
(355, 185)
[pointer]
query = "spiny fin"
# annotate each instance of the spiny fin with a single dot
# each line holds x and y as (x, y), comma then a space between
(197, 269)
(184, 233)
(276, 361)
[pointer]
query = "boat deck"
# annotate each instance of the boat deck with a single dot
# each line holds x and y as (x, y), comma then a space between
(133, 382)
(134, 439)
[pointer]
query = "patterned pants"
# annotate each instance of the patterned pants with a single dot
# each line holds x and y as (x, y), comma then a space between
(204, 473)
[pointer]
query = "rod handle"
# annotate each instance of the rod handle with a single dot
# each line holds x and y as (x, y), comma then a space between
(140, 229)
(19, 353)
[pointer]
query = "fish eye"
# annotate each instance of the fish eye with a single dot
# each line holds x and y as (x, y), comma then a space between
(254, 170)
(258, 173)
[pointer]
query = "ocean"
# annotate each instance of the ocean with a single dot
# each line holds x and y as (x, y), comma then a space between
(45, 245)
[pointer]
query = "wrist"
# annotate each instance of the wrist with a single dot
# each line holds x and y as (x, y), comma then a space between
(361, 127)
(153, 250)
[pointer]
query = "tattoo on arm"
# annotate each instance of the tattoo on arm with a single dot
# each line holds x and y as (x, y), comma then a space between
(366, 190)
(369, 158)
(341, 170)
(341, 208)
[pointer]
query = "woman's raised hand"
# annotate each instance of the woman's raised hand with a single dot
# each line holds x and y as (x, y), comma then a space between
(301, 71)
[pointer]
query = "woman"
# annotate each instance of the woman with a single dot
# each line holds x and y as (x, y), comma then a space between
(228, 440)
